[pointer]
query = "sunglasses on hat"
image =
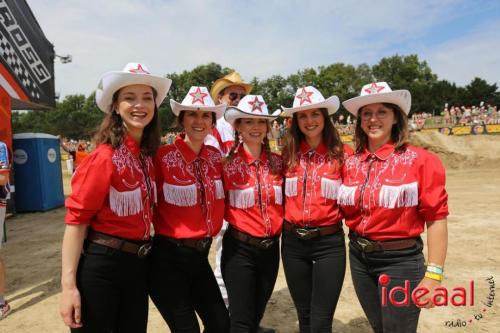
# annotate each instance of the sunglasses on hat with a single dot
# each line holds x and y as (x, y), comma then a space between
(233, 96)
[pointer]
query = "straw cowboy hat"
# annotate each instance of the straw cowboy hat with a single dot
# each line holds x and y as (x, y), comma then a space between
(132, 73)
(250, 106)
(378, 92)
(232, 79)
(310, 98)
(198, 99)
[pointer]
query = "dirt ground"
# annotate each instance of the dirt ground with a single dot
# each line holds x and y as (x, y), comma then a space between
(32, 255)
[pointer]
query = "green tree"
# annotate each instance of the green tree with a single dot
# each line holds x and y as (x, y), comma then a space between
(478, 90)
(408, 72)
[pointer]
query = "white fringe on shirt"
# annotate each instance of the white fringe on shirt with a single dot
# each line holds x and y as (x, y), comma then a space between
(125, 203)
(180, 195)
(330, 188)
(242, 198)
(291, 186)
(219, 189)
(405, 195)
(278, 195)
(346, 195)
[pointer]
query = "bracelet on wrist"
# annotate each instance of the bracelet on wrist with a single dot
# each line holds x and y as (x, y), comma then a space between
(434, 269)
(434, 276)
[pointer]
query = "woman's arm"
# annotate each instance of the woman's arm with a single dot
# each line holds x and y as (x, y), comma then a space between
(70, 304)
(437, 245)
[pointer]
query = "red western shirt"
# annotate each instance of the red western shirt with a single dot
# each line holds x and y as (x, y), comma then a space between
(254, 194)
(190, 191)
(114, 191)
(311, 187)
(389, 195)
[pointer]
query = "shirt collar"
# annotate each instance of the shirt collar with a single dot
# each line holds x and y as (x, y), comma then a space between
(320, 149)
(187, 153)
(132, 145)
(383, 153)
(248, 158)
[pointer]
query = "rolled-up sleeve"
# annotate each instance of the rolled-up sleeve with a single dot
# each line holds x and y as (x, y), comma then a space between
(433, 198)
(90, 187)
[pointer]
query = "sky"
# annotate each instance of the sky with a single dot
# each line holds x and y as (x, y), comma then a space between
(459, 39)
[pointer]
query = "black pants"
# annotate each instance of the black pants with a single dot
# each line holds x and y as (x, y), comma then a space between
(249, 274)
(113, 289)
(314, 271)
(181, 284)
(400, 265)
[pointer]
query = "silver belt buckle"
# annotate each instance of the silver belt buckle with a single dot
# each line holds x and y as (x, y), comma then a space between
(266, 243)
(365, 244)
(203, 244)
(144, 250)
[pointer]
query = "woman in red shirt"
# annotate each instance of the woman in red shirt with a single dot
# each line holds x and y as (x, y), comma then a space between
(190, 212)
(313, 248)
(254, 211)
(109, 212)
(390, 192)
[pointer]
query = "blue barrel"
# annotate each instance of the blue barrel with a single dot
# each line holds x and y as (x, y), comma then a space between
(37, 172)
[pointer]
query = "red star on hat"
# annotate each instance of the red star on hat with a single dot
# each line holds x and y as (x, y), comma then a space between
(304, 96)
(374, 88)
(198, 95)
(256, 104)
(139, 69)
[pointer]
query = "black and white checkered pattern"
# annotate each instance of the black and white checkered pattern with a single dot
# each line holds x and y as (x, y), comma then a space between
(9, 55)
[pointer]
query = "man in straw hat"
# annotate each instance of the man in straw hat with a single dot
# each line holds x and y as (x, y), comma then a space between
(229, 90)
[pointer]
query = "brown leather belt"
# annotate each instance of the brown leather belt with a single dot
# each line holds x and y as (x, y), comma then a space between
(307, 233)
(141, 249)
(368, 246)
(260, 242)
(200, 244)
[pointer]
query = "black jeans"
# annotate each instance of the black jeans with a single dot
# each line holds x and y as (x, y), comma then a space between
(249, 274)
(113, 289)
(314, 271)
(181, 282)
(399, 265)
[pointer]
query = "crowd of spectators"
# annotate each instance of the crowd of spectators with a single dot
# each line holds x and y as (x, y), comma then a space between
(458, 116)
(449, 117)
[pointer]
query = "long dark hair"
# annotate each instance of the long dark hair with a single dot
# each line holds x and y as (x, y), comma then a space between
(112, 131)
(399, 132)
(238, 142)
(330, 137)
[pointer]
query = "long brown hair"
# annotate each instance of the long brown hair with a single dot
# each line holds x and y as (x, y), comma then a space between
(399, 132)
(112, 131)
(330, 137)
(238, 142)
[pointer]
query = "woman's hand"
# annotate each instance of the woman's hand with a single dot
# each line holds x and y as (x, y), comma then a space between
(426, 299)
(70, 307)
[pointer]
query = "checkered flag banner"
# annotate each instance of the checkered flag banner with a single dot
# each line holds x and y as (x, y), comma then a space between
(26, 56)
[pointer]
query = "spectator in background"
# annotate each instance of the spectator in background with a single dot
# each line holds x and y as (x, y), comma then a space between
(4, 195)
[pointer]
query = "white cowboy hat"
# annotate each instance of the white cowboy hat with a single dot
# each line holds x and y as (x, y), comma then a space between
(132, 73)
(310, 98)
(198, 99)
(250, 106)
(379, 92)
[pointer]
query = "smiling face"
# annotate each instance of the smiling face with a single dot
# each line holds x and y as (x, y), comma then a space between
(136, 106)
(311, 123)
(376, 122)
(252, 130)
(197, 125)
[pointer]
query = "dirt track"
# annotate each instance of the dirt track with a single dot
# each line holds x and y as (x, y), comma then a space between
(32, 255)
